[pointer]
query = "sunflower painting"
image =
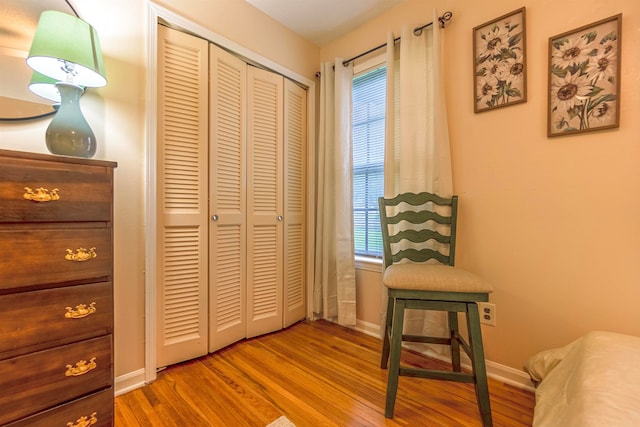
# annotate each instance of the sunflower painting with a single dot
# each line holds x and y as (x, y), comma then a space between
(584, 78)
(500, 74)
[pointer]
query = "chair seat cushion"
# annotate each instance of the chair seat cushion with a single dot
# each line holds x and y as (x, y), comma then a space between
(433, 277)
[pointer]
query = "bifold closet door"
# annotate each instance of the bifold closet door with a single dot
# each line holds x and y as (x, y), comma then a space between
(230, 199)
(265, 207)
(182, 215)
(295, 161)
(227, 249)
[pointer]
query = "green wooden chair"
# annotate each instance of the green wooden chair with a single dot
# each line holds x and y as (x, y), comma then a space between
(419, 236)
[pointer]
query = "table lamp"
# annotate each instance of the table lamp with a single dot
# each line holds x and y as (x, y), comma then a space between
(66, 50)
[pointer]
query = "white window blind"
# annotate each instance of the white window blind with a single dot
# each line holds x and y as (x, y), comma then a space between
(369, 93)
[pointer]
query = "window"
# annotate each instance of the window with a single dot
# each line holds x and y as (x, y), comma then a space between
(369, 93)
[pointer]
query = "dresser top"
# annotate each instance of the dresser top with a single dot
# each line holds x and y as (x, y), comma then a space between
(56, 158)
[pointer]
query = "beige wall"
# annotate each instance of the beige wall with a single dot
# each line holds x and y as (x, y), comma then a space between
(117, 114)
(553, 223)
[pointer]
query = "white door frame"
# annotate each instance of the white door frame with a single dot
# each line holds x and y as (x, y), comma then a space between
(156, 13)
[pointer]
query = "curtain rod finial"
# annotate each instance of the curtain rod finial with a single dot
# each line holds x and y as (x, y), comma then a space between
(444, 18)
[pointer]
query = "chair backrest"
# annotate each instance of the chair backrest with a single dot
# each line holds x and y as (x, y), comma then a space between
(418, 227)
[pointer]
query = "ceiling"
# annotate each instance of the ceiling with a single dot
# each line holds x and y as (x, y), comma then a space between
(321, 21)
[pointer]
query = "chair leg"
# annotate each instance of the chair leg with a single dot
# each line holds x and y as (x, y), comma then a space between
(453, 336)
(387, 330)
(394, 363)
(478, 363)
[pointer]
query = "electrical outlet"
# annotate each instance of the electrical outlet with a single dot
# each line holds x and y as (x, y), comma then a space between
(487, 313)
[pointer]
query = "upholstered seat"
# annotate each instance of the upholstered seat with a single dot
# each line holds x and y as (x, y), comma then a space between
(433, 277)
(418, 234)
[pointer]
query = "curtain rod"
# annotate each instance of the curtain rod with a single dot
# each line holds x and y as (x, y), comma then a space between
(442, 19)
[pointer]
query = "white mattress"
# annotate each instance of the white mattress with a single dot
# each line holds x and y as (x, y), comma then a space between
(592, 382)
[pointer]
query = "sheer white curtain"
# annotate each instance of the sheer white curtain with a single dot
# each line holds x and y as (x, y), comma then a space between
(334, 287)
(417, 153)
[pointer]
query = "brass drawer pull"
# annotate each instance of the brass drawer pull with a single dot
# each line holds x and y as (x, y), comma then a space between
(81, 368)
(80, 311)
(84, 421)
(80, 255)
(41, 194)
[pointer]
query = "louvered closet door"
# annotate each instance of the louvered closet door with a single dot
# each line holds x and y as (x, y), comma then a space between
(264, 201)
(227, 250)
(182, 215)
(295, 157)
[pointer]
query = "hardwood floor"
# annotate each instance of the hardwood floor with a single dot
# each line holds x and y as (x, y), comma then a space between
(315, 373)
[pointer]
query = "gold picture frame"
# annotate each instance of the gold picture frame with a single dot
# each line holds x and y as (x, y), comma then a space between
(499, 61)
(584, 78)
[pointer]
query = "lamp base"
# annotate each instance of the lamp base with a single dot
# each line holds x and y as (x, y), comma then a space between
(69, 133)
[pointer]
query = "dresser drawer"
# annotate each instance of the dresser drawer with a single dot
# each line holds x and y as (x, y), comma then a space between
(31, 321)
(44, 191)
(40, 256)
(96, 408)
(35, 382)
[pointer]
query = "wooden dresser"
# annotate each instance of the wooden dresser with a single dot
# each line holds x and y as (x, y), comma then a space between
(56, 291)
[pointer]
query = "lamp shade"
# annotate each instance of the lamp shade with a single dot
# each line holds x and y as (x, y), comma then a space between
(44, 86)
(66, 48)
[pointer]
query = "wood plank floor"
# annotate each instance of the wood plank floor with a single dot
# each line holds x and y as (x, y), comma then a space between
(315, 373)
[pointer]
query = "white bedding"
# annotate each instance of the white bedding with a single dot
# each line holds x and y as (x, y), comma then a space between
(592, 382)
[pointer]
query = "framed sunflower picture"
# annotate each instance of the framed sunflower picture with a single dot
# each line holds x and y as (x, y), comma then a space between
(499, 60)
(584, 78)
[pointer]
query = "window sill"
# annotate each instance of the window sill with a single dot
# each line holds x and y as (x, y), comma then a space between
(368, 263)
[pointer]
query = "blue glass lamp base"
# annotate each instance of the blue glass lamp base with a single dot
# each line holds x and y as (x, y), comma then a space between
(69, 133)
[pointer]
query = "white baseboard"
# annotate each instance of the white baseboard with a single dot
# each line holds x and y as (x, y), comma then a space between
(368, 328)
(511, 376)
(498, 372)
(129, 382)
